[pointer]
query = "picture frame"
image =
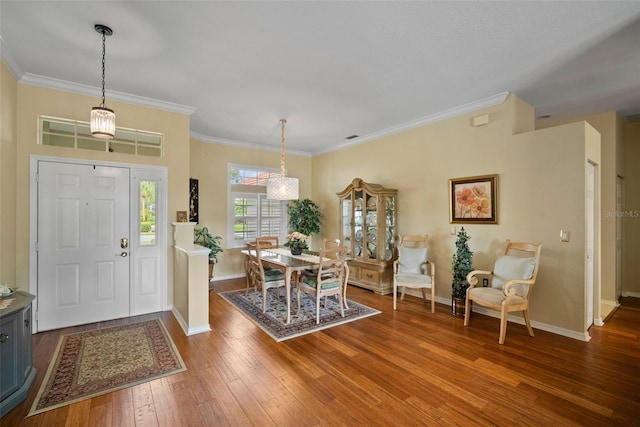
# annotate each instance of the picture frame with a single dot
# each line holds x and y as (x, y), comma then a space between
(181, 216)
(473, 200)
(193, 200)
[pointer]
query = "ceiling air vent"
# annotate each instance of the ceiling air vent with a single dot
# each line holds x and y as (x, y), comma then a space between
(633, 118)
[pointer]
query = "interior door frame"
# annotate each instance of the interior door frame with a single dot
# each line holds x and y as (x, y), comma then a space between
(133, 223)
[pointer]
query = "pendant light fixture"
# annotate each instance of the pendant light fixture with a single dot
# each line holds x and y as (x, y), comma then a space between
(103, 119)
(282, 188)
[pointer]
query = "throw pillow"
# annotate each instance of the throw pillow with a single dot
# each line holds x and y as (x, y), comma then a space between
(411, 259)
(509, 267)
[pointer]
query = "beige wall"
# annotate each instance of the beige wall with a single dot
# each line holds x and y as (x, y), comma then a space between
(8, 147)
(631, 221)
(33, 101)
(209, 165)
(541, 191)
(610, 127)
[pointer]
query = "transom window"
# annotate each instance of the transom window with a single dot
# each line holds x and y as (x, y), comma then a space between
(76, 134)
(251, 213)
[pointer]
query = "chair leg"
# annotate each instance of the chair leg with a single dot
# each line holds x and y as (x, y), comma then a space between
(433, 299)
(467, 311)
(503, 324)
(341, 304)
(318, 310)
(298, 292)
(395, 295)
(264, 299)
(528, 322)
(424, 295)
(344, 297)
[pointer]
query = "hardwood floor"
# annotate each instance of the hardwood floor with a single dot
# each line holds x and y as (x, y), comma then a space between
(408, 367)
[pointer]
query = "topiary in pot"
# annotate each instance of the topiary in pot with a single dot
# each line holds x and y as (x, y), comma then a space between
(462, 264)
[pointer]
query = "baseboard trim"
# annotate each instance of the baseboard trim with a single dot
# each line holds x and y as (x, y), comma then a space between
(581, 336)
(631, 294)
(228, 277)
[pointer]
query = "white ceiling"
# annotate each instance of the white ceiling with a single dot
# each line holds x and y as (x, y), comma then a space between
(331, 68)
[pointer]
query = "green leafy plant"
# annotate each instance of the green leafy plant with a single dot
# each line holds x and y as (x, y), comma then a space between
(304, 216)
(202, 237)
(462, 264)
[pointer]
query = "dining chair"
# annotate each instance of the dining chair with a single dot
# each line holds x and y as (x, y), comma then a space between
(258, 278)
(329, 280)
(413, 269)
(269, 242)
(328, 243)
(512, 278)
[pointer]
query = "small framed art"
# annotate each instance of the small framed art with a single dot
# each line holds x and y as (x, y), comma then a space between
(473, 200)
(181, 216)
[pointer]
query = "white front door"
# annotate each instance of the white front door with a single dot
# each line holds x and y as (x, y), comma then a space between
(82, 255)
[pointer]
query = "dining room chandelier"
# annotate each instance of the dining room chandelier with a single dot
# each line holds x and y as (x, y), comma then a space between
(281, 187)
(103, 119)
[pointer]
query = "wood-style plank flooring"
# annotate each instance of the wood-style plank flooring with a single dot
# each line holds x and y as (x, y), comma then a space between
(408, 367)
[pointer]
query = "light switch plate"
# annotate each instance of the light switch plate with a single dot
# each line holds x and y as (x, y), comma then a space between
(564, 236)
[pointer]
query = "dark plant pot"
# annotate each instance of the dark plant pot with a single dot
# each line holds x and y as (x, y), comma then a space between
(296, 251)
(211, 264)
(458, 306)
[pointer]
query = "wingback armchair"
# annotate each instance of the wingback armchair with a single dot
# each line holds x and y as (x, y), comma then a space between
(512, 279)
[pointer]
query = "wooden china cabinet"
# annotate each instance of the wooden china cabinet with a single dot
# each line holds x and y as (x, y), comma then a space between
(368, 229)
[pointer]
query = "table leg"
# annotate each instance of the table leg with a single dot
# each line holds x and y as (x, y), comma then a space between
(287, 288)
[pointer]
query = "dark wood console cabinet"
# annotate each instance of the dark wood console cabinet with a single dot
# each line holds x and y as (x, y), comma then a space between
(16, 368)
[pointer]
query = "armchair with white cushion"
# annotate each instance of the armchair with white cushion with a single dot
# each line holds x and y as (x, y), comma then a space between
(412, 269)
(512, 278)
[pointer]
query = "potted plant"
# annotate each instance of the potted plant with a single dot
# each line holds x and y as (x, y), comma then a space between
(304, 216)
(203, 237)
(296, 242)
(462, 264)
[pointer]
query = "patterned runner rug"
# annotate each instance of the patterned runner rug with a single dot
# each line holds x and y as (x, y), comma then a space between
(88, 364)
(273, 321)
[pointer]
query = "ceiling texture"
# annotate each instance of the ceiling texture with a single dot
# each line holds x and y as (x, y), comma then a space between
(333, 69)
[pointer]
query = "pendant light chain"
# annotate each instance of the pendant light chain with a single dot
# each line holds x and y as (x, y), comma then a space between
(283, 124)
(104, 47)
(103, 119)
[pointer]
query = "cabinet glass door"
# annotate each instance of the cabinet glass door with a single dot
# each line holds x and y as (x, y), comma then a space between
(371, 229)
(389, 227)
(358, 223)
(347, 208)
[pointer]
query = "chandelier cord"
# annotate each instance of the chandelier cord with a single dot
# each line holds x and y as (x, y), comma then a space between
(283, 123)
(104, 45)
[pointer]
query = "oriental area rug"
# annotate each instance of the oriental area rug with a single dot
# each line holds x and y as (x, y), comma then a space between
(273, 321)
(91, 363)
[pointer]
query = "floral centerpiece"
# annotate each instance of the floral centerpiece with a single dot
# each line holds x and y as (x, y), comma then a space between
(296, 241)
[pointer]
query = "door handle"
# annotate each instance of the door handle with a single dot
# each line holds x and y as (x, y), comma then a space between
(123, 254)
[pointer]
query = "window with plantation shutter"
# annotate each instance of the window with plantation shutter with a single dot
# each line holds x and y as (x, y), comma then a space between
(251, 213)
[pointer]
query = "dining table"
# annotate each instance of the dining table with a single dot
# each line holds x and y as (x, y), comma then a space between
(281, 258)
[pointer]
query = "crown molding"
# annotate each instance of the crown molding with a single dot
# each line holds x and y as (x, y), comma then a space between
(9, 61)
(51, 83)
(250, 145)
(433, 118)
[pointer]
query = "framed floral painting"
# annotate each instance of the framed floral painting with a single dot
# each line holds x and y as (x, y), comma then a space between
(473, 200)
